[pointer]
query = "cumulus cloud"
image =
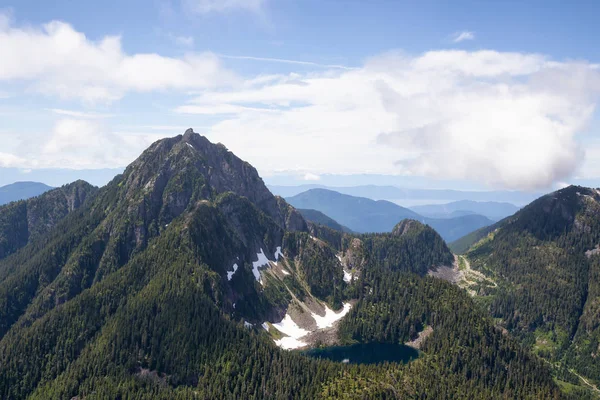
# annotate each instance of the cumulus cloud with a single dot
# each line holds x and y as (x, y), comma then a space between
(210, 6)
(58, 60)
(78, 144)
(505, 119)
(510, 120)
(462, 36)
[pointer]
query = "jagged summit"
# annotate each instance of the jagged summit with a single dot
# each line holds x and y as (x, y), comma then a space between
(175, 171)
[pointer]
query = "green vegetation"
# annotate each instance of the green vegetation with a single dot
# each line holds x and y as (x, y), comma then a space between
(132, 295)
(547, 293)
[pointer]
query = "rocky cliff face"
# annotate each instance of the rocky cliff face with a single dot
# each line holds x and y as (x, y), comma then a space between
(26, 220)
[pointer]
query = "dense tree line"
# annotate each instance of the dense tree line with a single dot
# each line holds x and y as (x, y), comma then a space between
(547, 291)
(129, 297)
(410, 247)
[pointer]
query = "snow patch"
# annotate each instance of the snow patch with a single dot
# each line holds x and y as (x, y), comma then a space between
(230, 273)
(289, 343)
(265, 326)
(248, 324)
(347, 277)
(330, 316)
(278, 253)
(283, 271)
(338, 257)
(261, 262)
(191, 147)
(290, 328)
(233, 305)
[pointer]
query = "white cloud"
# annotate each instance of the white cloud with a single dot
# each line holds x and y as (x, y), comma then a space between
(506, 119)
(183, 41)
(9, 160)
(6, 18)
(461, 36)
(311, 177)
(218, 109)
(58, 60)
(79, 114)
(77, 144)
(286, 61)
(209, 6)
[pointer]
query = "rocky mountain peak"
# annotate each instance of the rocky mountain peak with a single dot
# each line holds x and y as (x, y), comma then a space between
(178, 172)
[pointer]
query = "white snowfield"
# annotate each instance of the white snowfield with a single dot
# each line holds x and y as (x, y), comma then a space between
(347, 276)
(330, 316)
(230, 273)
(278, 253)
(295, 333)
(283, 271)
(290, 328)
(289, 343)
(261, 262)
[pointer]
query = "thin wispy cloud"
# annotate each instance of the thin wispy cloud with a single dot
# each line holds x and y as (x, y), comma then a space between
(286, 61)
(221, 6)
(462, 36)
(79, 114)
(182, 41)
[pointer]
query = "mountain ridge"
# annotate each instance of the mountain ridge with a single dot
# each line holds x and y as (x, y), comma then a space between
(554, 237)
(160, 285)
(365, 215)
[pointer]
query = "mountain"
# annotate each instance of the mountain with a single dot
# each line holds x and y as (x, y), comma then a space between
(464, 243)
(319, 218)
(21, 191)
(25, 220)
(184, 277)
(454, 228)
(365, 215)
(543, 277)
(357, 213)
(491, 209)
(411, 195)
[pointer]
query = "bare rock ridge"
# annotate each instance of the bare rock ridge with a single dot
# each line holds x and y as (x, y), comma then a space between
(200, 169)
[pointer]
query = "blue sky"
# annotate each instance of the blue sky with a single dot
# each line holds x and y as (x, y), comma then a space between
(361, 88)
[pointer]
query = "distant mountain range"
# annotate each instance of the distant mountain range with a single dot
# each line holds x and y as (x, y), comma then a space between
(408, 197)
(492, 209)
(317, 217)
(21, 191)
(365, 215)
